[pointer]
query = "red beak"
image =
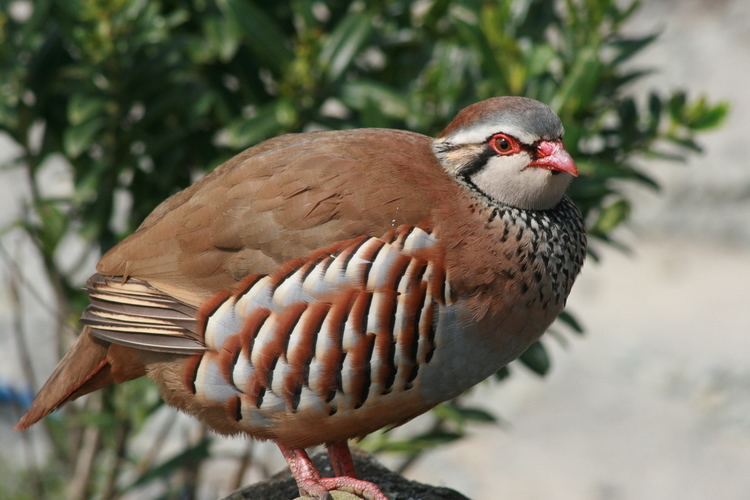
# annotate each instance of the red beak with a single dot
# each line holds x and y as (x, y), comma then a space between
(552, 156)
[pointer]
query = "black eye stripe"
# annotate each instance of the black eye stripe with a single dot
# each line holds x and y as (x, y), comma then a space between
(476, 164)
(464, 172)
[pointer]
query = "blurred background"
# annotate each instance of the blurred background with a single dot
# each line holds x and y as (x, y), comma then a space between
(641, 391)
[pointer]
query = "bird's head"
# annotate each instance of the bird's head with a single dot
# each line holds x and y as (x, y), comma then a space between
(510, 149)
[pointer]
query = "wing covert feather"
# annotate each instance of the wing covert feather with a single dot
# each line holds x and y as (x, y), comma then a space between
(279, 201)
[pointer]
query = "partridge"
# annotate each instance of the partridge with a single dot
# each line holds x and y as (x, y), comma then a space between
(323, 285)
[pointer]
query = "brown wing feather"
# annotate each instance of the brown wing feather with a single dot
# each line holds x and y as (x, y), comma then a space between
(279, 201)
(133, 314)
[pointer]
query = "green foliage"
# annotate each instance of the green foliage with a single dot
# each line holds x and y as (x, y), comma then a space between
(450, 423)
(141, 96)
(191, 455)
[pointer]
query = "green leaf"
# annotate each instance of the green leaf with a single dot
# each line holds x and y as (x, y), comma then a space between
(536, 359)
(418, 443)
(502, 373)
(103, 420)
(186, 457)
(142, 391)
(628, 77)
(223, 36)
(54, 224)
(343, 44)
(677, 106)
(628, 113)
(268, 121)
(611, 216)
(628, 47)
(621, 15)
(571, 322)
(604, 170)
(83, 107)
(664, 155)
(304, 15)
(461, 414)
(539, 60)
(685, 142)
(78, 138)
(265, 39)
(704, 117)
(655, 108)
(358, 94)
(577, 89)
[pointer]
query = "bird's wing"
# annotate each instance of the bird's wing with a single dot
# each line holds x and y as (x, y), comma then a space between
(350, 323)
(353, 326)
(280, 201)
(383, 290)
(132, 313)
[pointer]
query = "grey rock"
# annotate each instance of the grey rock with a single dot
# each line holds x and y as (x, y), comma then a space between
(395, 487)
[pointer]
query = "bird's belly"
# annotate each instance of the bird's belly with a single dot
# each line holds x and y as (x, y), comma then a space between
(465, 354)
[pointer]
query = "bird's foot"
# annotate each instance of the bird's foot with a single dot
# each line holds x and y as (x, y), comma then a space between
(364, 489)
(311, 484)
(322, 488)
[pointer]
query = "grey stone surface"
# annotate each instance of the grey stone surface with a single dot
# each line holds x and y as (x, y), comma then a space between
(282, 485)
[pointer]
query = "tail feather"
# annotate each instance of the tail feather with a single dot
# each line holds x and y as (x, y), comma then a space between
(127, 322)
(80, 364)
(87, 366)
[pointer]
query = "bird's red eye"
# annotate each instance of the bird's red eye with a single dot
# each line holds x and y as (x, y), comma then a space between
(504, 144)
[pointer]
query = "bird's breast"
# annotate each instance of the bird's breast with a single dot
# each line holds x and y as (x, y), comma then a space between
(540, 253)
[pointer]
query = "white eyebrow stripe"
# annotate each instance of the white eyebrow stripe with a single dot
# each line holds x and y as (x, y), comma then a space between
(481, 134)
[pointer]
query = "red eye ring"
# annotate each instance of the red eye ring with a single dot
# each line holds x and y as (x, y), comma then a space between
(503, 144)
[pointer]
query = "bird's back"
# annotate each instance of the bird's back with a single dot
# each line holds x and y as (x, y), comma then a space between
(278, 201)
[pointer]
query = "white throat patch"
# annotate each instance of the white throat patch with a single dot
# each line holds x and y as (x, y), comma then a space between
(509, 180)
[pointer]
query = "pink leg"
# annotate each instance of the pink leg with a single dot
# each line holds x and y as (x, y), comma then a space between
(341, 459)
(310, 483)
(304, 472)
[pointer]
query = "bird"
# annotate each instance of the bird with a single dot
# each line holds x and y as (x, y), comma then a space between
(320, 286)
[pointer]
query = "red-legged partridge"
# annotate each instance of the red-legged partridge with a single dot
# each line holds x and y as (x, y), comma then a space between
(320, 286)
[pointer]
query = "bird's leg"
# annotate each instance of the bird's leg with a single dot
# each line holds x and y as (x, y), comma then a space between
(341, 459)
(304, 472)
(346, 478)
(310, 483)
